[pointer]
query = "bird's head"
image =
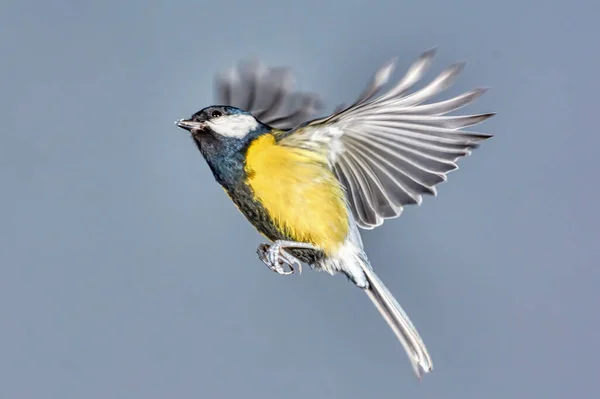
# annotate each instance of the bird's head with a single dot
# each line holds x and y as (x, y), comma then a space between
(220, 120)
(219, 128)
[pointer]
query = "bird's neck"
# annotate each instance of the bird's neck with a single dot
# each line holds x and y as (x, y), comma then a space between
(226, 157)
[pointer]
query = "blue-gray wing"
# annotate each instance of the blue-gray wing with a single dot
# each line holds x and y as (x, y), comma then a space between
(389, 148)
(268, 93)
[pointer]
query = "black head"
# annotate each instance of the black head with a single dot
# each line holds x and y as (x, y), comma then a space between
(219, 130)
(223, 120)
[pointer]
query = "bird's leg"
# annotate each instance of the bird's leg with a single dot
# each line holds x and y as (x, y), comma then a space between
(275, 256)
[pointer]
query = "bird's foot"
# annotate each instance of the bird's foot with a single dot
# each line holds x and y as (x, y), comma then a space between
(277, 258)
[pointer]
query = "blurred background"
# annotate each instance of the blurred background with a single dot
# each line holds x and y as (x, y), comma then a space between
(126, 272)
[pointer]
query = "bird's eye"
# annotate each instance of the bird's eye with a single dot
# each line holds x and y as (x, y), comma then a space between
(216, 114)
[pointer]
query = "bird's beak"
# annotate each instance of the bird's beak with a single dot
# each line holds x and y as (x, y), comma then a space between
(189, 125)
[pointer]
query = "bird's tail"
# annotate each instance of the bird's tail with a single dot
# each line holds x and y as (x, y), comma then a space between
(399, 322)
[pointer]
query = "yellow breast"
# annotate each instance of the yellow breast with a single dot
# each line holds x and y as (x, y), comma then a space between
(300, 193)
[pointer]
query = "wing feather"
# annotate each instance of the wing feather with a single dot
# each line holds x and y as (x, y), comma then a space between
(267, 93)
(361, 193)
(354, 194)
(390, 149)
(380, 202)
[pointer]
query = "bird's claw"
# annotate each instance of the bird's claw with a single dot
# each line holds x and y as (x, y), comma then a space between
(276, 258)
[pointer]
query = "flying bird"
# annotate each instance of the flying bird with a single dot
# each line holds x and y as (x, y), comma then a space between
(308, 184)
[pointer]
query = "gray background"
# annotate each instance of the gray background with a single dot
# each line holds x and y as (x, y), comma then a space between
(127, 273)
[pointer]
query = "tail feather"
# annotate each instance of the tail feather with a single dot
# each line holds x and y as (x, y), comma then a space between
(399, 322)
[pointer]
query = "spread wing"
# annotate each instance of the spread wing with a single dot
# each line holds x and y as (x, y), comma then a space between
(267, 93)
(390, 148)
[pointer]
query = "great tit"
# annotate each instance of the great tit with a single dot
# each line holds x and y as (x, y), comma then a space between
(309, 185)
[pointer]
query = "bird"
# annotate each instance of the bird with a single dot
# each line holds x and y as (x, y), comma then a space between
(309, 184)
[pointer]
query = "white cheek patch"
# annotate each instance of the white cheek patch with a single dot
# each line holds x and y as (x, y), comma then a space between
(233, 125)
